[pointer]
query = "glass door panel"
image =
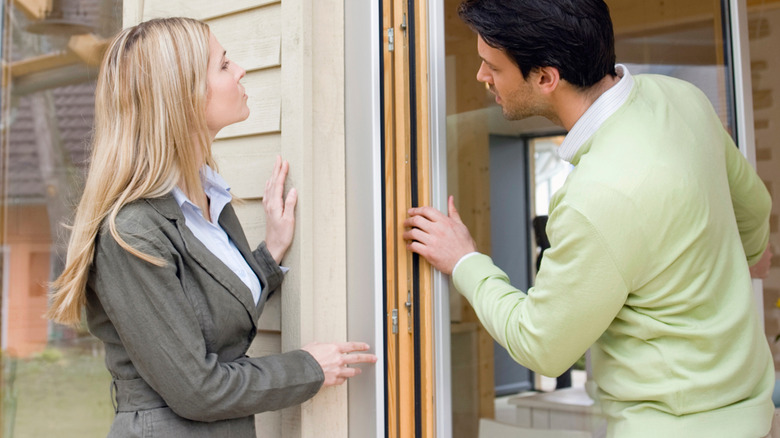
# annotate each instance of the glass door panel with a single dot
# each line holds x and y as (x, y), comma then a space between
(684, 39)
(45, 128)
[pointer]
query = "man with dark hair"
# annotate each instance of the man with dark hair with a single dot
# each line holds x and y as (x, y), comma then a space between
(651, 236)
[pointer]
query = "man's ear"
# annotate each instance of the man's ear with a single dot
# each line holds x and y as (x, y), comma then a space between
(547, 79)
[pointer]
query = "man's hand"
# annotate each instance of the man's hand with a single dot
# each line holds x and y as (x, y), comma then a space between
(761, 269)
(442, 240)
(279, 212)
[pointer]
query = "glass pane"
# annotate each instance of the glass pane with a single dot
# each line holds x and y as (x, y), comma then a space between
(54, 382)
(763, 28)
(681, 38)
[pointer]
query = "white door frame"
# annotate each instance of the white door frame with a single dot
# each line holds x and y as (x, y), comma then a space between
(743, 95)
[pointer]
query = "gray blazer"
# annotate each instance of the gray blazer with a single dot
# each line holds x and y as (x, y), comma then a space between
(176, 336)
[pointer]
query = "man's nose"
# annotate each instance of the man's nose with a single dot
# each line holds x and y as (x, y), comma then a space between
(482, 74)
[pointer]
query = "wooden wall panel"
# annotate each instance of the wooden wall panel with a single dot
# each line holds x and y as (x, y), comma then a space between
(265, 105)
(200, 9)
(252, 217)
(246, 163)
(632, 16)
(271, 320)
(261, 26)
(266, 343)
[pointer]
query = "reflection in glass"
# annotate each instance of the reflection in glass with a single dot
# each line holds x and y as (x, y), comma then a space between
(54, 382)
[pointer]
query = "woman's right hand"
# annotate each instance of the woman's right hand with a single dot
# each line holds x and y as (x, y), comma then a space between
(336, 358)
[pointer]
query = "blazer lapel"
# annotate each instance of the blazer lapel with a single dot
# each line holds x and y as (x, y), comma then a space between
(210, 263)
(229, 222)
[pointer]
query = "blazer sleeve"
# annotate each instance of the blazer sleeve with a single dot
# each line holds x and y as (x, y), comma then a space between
(160, 332)
(271, 270)
(751, 201)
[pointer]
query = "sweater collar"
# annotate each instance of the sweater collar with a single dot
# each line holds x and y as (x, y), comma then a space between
(597, 114)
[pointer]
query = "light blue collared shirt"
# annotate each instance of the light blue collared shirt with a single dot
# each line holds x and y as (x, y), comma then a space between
(211, 234)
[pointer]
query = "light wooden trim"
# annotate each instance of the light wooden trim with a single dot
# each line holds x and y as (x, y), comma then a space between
(43, 62)
(399, 177)
(314, 299)
(88, 48)
(33, 9)
(391, 273)
(426, 305)
(400, 352)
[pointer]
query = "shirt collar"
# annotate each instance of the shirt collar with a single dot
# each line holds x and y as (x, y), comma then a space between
(597, 114)
(216, 189)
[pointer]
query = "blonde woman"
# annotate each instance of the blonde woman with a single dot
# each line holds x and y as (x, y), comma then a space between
(159, 259)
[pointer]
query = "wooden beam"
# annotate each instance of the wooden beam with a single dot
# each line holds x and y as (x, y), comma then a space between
(5, 70)
(33, 9)
(88, 48)
(43, 62)
(426, 306)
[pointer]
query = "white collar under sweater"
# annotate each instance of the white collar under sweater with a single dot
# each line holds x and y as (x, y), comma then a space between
(597, 114)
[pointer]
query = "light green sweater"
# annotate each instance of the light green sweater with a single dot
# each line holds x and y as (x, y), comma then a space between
(652, 235)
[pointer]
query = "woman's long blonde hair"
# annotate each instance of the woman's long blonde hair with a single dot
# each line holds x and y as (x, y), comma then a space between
(150, 134)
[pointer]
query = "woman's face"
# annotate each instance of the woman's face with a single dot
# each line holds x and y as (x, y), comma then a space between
(226, 101)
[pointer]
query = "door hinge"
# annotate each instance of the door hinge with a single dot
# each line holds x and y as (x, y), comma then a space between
(390, 39)
(408, 305)
(395, 321)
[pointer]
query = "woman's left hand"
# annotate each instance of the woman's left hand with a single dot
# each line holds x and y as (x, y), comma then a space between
(279, 212)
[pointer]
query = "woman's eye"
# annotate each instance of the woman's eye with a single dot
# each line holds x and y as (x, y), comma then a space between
(225, 65)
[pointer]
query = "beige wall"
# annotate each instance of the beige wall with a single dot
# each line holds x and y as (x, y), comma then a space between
(295, 80)
(764, 29)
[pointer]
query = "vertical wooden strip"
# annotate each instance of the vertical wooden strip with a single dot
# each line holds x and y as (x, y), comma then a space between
(403, 202)
(427, 346)
(390, 225)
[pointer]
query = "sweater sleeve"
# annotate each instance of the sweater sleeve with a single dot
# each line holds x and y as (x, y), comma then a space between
(751, 200)
(578, 292)
(159, 329)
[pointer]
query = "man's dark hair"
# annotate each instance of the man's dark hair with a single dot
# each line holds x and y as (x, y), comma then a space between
(574, 36)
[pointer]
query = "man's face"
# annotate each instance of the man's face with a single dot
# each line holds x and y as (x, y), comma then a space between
(516, 95)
